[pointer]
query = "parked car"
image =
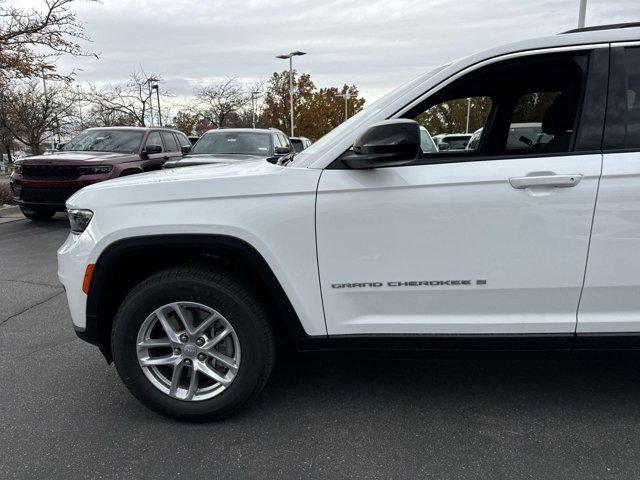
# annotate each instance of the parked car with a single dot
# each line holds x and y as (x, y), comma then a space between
(42, 183)
(235, 145)
(452, 141)
(522, 136)
(299, 143)
(185, 278)
(426, 141)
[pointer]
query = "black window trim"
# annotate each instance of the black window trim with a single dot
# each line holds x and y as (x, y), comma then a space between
(595, 92)
(616, 103)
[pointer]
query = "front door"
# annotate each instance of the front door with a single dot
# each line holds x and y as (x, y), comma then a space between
(485, 241)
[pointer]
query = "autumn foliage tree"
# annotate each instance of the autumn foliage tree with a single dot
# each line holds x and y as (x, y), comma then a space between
(31, 39)
(451, 116)
(316, 112)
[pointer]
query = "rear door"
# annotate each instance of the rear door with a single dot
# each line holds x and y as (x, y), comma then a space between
(611, 298)
(171, 148)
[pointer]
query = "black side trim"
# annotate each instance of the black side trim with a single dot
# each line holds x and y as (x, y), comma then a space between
(442, 342)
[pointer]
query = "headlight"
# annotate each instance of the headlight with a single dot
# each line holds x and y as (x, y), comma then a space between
(79, 219)
(95, 170)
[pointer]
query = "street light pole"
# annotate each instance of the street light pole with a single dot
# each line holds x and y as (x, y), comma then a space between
(468, 114)
(149, 81)
(582, 13)
(290, 56)
(254, 95)
(156, 87)
(80, 107)
(346, 97)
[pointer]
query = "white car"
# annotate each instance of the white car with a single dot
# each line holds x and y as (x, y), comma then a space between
(186, 277)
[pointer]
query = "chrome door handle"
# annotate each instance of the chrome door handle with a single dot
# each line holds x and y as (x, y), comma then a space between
(559, 181)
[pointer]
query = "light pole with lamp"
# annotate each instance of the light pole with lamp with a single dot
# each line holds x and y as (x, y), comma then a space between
(346, 97)
(290, 56)
(254, 95)
(156, 87)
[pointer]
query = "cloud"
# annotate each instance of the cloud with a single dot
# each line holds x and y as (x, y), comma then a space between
(375, 44)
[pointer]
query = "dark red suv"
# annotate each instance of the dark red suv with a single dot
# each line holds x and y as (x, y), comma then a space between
(41, 184)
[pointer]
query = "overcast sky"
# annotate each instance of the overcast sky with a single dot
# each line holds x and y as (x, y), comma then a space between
(375, 44)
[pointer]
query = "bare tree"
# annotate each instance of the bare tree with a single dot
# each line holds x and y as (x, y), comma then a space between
(30, 39)
(129, 102)
(33, 115)
(221, 100)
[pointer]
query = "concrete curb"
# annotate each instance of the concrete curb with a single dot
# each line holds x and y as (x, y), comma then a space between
(10, 211)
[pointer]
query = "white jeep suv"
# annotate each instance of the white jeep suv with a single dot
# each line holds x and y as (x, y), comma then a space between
(186, 277)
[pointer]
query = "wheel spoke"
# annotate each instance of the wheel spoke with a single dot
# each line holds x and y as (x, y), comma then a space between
(168, 329)
(217, 339)
(182, 316)
(193, 384)
(206, 323)
(152, 361)
(228, 362)
(211, 373)
(175, 379)
(154, 342)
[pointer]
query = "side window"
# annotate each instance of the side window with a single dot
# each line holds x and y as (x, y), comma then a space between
(154, 139)
(285, 141)
(183, 141)
(525, 129)
(170, 142)
(632, 111)
(517, 107)
(278, 141)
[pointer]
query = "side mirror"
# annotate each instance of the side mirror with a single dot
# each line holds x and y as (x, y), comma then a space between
(282, 150)
(385, 144)
(151, 149)
(60, 146)
(443, 146)
(185, 149)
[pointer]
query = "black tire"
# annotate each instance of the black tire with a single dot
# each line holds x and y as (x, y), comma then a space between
(218, 290)
(38, 214)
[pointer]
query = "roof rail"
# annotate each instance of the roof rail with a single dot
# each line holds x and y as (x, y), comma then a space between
(611, 26)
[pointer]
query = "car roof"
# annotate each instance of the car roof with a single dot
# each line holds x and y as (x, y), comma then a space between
(236, 130)
(135, 129)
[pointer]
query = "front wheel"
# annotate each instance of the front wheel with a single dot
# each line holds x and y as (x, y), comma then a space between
(193, 343)
(38, 214)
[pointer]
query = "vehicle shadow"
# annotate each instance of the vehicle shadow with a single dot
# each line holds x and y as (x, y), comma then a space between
(366, 380)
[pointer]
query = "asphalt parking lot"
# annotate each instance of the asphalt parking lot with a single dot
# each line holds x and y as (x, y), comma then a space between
(65, 414)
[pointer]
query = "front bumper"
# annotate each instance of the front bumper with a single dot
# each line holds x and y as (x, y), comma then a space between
(73, 257)
(52, 194)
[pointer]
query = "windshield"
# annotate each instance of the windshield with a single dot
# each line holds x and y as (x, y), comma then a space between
(118, 141)
(233, 143)
(306, 156)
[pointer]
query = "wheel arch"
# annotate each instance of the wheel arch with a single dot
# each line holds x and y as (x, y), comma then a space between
(125, 263)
